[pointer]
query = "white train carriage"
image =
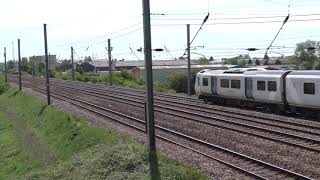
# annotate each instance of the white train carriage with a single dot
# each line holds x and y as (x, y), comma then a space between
(203, 83)
(303, 89)
(297, 91)
(265, 86)
(229, 85)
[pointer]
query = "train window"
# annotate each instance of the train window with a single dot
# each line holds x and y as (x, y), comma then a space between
(309, 88)
(261, 85)
(205, 82)
(224, 83)
(272, 86)
(198, 79)
(235, 84)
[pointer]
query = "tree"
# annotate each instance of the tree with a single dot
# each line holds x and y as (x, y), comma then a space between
(305, 54)
(278, 62)
(87, 59)
(242, 62)
(203, 61)
(250, 62)
(257, 62)
(41, 68)
(64, 65)
(179, 80)
(25, 66)
(182, 58)
(10, 65)
(232, 61)
(238, 60)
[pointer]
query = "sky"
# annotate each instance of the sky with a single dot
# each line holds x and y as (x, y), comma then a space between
(233, 26)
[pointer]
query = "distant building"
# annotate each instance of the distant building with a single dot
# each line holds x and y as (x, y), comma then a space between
(103, 65)
(160, 73)
(41, 59)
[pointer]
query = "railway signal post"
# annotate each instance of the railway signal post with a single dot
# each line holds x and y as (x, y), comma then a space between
(110, 62)
(19, 65)
(72, 63)
(154, 171)
(47, 62)
(189, 63)
(5, 65)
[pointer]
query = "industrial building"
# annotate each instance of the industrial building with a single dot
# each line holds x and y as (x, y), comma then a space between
(36, 60)
(161, 68)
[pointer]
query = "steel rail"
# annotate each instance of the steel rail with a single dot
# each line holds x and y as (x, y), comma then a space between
(171, 98)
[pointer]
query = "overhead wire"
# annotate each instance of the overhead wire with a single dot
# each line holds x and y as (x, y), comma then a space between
(235, 23)
(235, 18)
(167, 50)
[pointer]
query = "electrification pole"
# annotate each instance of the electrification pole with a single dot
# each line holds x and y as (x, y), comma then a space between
(149, 88)
(72, 63)
(19, 66)
(5, 65)
(189, 63)
(110, 62)
(47, 62)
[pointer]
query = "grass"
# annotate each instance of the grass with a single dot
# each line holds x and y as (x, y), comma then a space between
(42, 142)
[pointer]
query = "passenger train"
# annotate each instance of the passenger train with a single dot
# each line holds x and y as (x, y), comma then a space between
(277, 90)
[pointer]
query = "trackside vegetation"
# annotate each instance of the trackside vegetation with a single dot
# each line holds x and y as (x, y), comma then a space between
(174, 83)
(43, 142)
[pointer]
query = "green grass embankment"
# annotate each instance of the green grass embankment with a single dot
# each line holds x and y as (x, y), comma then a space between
(43, 142)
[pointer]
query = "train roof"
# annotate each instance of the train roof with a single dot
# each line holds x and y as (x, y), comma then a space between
(259, 72)
(209, 71)
(306, 72)
(269, 72)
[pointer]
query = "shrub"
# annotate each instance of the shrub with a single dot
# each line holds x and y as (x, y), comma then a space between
(3, 86)
(179, 81)
(126, 74)
(95, 79)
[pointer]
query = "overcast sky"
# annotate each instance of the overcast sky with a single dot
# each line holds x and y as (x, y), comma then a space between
(87, 25)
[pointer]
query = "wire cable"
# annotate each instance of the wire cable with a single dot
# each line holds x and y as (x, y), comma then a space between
(204, 21)
(284, 22)
(237, 18)
(236, 23)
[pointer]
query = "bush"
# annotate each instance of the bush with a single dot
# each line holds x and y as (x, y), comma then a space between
(126, 74)
(95, 79)
(161, 87)
(79, 77)
(3, 86)
(86, 78)
(105, 78)
(179, 81)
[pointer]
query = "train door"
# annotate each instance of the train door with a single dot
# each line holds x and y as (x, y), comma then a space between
(249, 88)
(214, 88)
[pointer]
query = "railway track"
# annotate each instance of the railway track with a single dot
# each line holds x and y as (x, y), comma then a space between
(237, 124)
(250, 166)
(188, 101)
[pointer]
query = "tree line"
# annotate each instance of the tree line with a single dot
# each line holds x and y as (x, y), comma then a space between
(306, 57)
